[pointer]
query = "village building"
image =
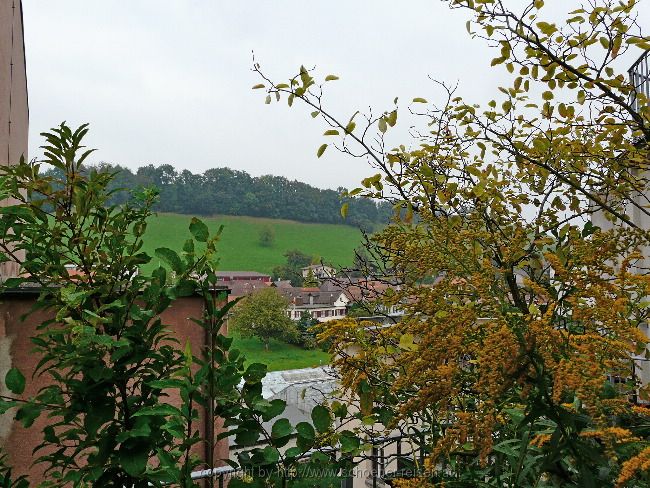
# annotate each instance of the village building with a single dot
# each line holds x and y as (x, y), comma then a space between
(321, 305)
(249, 276)
(318, 271)
(241, 288)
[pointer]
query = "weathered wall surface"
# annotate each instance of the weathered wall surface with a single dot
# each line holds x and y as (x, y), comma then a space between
(14, 111)
(16, 350)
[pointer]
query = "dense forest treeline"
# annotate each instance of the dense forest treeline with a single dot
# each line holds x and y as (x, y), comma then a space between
(229, 192)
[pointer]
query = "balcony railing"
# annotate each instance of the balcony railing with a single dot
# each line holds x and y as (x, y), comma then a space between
(640, 79)
(390, 457)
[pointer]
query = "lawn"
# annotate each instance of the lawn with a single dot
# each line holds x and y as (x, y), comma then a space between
(280, 356)
(240, 249)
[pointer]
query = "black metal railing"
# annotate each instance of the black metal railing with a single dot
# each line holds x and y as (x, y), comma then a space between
(639, 74)
(390, 457)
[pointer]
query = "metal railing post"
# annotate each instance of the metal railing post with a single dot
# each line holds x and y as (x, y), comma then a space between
(374, 466)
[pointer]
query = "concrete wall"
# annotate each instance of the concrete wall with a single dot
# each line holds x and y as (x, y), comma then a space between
(16, 350)
(639, 218)
(14, 111)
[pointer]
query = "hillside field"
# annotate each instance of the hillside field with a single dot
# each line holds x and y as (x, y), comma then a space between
(240, 249)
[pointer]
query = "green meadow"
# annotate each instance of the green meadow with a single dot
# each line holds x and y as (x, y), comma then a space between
(280, 356)
(240, 249)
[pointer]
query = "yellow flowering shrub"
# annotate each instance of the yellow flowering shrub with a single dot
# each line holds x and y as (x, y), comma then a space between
(639, 463)
(519, 253)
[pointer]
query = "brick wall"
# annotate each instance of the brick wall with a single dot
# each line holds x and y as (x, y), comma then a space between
(16, 351)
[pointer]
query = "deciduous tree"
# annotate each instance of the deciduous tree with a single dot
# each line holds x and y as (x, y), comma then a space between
(267, 236)
(263, 314)
(528, 209)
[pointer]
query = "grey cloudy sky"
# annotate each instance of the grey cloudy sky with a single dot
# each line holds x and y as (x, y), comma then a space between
(169, 81)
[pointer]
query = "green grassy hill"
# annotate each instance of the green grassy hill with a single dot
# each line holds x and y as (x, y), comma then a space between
(239, 248)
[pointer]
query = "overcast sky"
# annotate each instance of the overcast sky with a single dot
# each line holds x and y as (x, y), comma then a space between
(169, 81)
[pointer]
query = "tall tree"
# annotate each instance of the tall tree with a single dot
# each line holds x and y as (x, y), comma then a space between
(529, 213)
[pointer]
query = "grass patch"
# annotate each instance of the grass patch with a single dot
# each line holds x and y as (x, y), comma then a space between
(240, 250)
(280, 356)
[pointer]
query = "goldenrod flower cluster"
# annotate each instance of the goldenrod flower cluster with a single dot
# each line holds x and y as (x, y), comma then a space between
(550, 319)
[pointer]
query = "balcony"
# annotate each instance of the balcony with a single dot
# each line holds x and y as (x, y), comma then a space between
(639, 74)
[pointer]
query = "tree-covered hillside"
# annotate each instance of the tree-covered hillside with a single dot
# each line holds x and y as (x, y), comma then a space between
(225, 191)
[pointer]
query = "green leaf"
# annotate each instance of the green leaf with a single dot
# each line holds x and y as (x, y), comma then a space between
(271, 455)
(140, 429)
(281, 428)
(258, 86)
(255, 372)
(199, 230)
(293, 452)
(321, 418)
(248, 433)
(171, 258)
(134, 461)
(28, 413)
(15, 381)
(320, 457)
(331, 78)
(6, 405)
(339, 409)
(349, 441)
(331, 132)
(321, 150)
(306, 431)
(419, 100)
(188, 247)
(382, 125)
(162, 410)
(275, 407)
(166, 383)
